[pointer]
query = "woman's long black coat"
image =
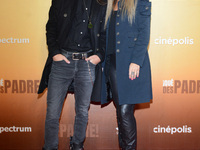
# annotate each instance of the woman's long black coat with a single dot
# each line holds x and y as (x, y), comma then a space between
(131, 47)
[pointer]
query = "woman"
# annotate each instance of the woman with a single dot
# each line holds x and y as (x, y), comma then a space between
(127, 67)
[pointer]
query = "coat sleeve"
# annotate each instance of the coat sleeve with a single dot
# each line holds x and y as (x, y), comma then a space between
(142, 20)
(102, 38)
(51, 29)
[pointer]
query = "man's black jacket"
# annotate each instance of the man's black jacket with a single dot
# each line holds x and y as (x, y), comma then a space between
(58, 26)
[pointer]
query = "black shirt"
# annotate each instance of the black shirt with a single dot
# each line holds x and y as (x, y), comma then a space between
(111, 34)
(78, 39)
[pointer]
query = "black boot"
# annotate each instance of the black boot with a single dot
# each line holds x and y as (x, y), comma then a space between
(77, 147)
(121, 144)
(74, 146)
(128, 127)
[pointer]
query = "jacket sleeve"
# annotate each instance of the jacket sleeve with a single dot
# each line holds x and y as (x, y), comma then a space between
(142, 20)
(102, 39)
(51, 29)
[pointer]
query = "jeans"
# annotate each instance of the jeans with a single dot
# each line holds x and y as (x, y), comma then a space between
(61, 76)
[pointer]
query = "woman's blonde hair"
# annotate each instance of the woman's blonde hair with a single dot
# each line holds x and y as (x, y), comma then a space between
(128, 8)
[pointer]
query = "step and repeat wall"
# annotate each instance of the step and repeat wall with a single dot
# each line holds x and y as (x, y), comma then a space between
(170, 122)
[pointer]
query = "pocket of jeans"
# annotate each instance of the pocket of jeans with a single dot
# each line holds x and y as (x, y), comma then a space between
(58, 61)
(91, 63)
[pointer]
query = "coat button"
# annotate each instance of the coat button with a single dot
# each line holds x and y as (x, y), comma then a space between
(147, 8)
(118, 15)
(97, 49)
(117, 23)
(117, 33)
(65, 15)
(98, 35)
(118, 42)
(118, 50)
(135, 39)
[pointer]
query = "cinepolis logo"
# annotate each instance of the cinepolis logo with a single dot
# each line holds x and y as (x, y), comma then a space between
(172, 130)
(174, 41)
(14, 40)
(19, 86)
(181, 86)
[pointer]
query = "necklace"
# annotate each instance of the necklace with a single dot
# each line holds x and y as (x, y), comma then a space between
(89, 17)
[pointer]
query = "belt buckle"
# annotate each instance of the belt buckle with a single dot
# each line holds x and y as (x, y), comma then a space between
(73, 56)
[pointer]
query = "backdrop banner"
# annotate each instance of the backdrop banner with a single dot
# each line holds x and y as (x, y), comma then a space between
(169, 122)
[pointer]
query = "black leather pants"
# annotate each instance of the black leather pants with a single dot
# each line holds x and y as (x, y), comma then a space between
(125, 113)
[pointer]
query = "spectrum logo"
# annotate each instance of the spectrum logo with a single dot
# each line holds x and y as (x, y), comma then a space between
(19, 86)
(15, 129)
(173, 41)
(172, 130)
(178, 86)
(14, 40)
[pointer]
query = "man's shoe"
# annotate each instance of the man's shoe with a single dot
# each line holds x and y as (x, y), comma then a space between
(76, 147)
(73, 146)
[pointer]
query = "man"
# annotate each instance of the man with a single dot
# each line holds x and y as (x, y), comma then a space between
(76, 45)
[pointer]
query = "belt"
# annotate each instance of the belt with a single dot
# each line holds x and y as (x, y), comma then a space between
(77, 55)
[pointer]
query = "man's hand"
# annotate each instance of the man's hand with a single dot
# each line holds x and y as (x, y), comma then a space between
(60, 57)
(94, 59)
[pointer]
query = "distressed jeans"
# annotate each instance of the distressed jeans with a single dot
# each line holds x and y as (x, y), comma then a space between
(61, 76)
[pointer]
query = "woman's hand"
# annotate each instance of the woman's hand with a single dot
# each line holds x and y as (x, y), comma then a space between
(94, 59)
(60, 57)
(134, 71)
